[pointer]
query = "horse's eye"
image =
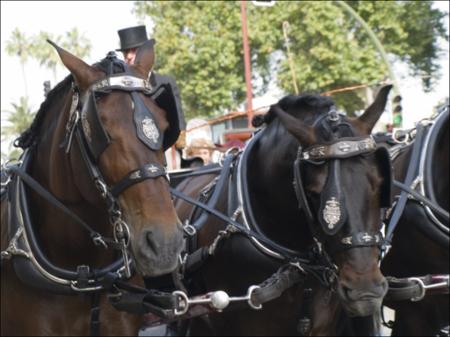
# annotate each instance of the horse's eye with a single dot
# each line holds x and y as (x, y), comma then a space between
(312, 195)
(100, 94)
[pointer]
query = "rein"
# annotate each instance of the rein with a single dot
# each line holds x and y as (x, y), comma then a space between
(415, 178)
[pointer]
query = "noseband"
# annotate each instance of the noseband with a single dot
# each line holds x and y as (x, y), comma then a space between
(332, 214)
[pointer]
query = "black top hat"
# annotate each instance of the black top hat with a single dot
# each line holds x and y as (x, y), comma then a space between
(132, 37)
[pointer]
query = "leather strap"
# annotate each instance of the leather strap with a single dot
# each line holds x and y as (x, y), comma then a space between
(95, 314)
(274, 286)
(230, 221)
(435, 207)
(148, 171)
(361, 240)
(33, 184)
(398, 211)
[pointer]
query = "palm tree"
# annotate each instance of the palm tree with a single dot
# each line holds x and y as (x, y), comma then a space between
(44, 53)
(19, 45)
(18, 120)
(72, 40)
(78, 44)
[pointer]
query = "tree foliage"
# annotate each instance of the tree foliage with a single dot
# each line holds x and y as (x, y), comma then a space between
(36, 47)
(18, 120)
(20, 45)
(72, 40)
(200, 43)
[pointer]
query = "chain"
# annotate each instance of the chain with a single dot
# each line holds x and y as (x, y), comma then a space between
(121, 230)
(121, 233)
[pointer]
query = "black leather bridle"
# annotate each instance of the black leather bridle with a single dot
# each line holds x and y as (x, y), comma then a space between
(332, 213)
(85, 123)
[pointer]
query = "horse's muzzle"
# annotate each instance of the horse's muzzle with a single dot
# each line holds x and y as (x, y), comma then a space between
(155, 252)
(363, 301)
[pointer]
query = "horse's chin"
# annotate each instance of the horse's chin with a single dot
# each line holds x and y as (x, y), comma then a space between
(362, 308)
(156, 272)
(147, 268)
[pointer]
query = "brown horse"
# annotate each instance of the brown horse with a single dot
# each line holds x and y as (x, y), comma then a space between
(338, 217)
(419, 246)
(103, 160)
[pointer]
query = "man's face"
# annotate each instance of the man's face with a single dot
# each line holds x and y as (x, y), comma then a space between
(129, 55)
(205, 154)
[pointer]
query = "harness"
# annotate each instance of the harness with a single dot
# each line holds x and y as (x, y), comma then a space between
(332, 211)
(296, 265)
(85, 124)
(417, 192)
(418, 186)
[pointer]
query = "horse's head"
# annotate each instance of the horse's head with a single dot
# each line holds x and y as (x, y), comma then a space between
(122, 136)
(342, 180)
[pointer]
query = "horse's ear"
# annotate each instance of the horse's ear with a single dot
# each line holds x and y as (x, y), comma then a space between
(82, 72)
(304, 133)
(369, 118)
(145, 57)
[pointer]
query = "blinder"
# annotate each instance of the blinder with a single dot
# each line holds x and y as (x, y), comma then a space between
(96, 137)
(147, 129)
(385, 165)
(165, 98)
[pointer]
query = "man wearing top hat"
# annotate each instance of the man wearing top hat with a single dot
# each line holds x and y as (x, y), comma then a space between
(130, 40)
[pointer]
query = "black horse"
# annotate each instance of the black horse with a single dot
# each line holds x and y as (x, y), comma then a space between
(420, 244)
(309, 187)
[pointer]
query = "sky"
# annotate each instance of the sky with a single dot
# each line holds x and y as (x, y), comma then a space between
(99, 22)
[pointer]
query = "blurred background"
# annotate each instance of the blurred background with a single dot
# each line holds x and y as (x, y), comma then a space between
(345, 49)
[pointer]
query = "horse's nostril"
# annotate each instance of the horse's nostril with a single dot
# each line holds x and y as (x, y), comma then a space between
(346, 291)
(384, 287)
(151, 242)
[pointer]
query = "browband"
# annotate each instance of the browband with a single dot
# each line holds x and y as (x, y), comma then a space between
(344, 148)
(122, 82)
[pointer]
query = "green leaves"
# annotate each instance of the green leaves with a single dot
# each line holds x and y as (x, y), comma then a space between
(200, 43)
(37, 47)
(18, 45)
(19, 119)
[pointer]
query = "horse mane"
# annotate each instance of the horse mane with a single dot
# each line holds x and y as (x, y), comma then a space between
(311, 102)
(29, 136)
